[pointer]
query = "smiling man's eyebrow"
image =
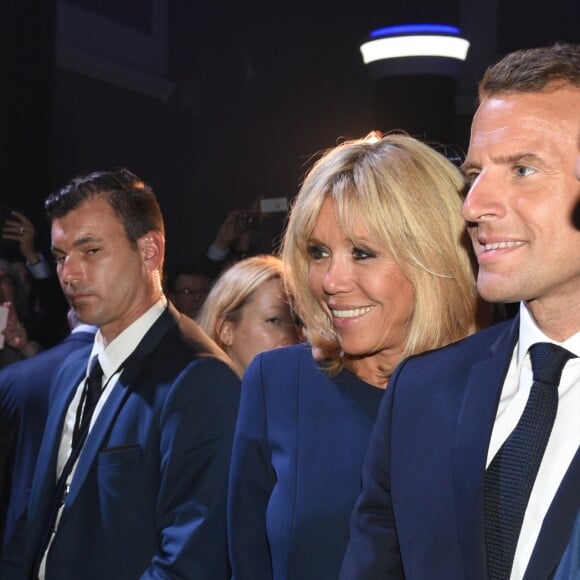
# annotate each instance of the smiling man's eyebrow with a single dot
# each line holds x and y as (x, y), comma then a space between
(520, 158)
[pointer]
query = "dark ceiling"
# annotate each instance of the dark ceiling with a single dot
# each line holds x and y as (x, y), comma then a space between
(256, 89)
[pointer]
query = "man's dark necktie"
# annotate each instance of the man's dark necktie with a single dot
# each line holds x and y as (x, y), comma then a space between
(90, 395)
(511, 474)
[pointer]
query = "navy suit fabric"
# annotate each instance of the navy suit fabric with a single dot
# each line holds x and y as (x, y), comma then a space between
(569, 568)
(420, 514)
(148, 497)
(24, 388)
(296, 466)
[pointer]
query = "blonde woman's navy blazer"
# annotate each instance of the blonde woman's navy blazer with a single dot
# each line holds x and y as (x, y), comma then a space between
(300, 441)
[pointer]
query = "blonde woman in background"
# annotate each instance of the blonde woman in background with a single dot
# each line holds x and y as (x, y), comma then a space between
(380, 270)
(247, 310)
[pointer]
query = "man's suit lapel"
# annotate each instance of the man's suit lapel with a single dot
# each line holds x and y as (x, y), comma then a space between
(100, 429)
(474, 426)
(122, 389)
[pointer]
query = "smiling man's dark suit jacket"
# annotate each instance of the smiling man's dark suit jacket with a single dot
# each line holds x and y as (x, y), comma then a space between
(148, 497)
(422, 495)
(24, 405)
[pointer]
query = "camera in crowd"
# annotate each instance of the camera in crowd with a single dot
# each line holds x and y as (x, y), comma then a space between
(268, 205)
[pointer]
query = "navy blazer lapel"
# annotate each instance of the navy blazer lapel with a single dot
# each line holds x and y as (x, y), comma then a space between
(117, 397)
(152, 338)
(474, 426)
(99, 431)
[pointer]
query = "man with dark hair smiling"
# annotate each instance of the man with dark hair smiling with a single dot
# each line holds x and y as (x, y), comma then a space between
(473, 467)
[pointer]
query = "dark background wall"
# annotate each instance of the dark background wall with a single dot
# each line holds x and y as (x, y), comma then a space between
(225, 101)
(27, 65)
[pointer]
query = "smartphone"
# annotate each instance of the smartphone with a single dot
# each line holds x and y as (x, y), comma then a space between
(273, 204)
(3, 322)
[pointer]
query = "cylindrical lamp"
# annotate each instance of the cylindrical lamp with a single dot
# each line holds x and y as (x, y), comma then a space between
(411, 49)
(414, 68)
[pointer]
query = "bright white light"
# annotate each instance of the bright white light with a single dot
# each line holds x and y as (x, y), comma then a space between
(420, 45)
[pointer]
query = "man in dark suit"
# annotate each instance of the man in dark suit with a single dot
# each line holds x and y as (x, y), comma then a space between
(24, 406)
(423, 513)
(144, 494)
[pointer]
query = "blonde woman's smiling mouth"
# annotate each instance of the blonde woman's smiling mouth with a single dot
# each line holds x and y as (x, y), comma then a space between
(501, 245)
(351, 312)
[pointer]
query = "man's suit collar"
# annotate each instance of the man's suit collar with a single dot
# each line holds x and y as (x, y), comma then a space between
(475, 423)
(113, 354)
(119, 393)
(169, 319)
(189, 330)
(70, 378)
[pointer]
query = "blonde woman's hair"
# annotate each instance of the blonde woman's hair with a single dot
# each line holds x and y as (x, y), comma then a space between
(409, 197)
(233, 289)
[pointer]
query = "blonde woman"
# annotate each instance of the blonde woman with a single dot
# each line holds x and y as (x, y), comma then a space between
(247, 310)
(380, 270)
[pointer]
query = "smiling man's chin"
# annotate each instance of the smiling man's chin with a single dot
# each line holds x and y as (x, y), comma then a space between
(495, 287)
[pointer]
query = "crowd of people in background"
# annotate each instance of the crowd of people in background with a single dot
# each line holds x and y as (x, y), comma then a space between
(344, 406)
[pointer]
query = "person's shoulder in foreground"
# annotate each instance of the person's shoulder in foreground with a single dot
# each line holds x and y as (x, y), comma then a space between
(24, 391)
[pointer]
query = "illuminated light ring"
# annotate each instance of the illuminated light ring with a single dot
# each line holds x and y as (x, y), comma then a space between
(417, 45)
(404, 29)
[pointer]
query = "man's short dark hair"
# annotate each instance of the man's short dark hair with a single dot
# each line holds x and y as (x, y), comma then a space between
(129, 196)
(533, 70)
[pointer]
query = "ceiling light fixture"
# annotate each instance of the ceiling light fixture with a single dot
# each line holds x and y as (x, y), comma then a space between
(415, 49)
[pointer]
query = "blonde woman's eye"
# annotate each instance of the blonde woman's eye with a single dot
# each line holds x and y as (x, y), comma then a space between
(360, 254)
(316, 252)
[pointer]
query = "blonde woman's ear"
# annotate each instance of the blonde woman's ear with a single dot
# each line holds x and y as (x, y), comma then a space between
(225, 332)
